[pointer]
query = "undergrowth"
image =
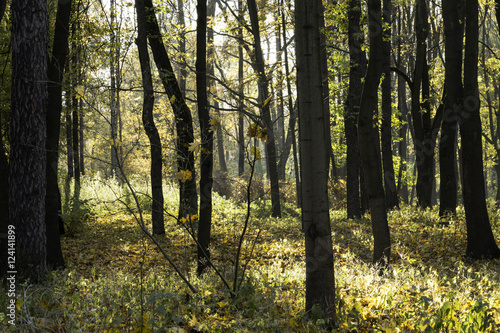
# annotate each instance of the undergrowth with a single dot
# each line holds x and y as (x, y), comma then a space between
(117, 281)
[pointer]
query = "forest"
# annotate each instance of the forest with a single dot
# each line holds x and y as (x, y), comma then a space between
(250, 166)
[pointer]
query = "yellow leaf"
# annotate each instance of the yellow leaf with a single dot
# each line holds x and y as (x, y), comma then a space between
(267, 101)
(255, 152)
(194, 146)
(172, 99)
(222, 304)
(80, 92)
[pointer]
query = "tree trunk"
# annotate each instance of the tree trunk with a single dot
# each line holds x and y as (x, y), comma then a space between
(357, 71)
(241, 130)
(182, 48)
(28, 137)
(425, 130)
(391, 194)
(148, 121)
(114, 68)
(453, 33)
(206, 156)
(368, 139)
(314, 158)
(260, 70)
(480, 240)
(53, 120)
(183, 120)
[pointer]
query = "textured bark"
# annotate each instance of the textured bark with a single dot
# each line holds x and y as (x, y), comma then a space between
(53, 120)
(241, 130)
(425, 130)
(453, 33)
(357, 71)
(206, 156)
(148, 121)
(391, 195)
(182, 47)
(368, 139)
(480, 240)
(259, 67)
(114, 105)
(183, 120)
(28, 136)
(320, 280)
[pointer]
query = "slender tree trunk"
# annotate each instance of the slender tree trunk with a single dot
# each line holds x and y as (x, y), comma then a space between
(320, 280)
(259, 66)
(368, 139)
(453, 33)
(113, 67)
(53, 120)
(69, 136)
(357, 71)
(480, 240)
(241, 130)
(28, 137)
(188, 204)
(290, 136)
(148, 121)
(182, 47)
(206, 156)
(391, 195)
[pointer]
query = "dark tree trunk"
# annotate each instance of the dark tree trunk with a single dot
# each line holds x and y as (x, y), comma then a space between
(114, 69)
(357, 71)
(391, 194)
(259, 66)
(368, 139)
(148, 121)
(28, 137)
(453, 33)
(182, 47)
(184, 122)
(320, 280)
(425, 130)
(53, 120)
(241, 130)
(206, 156)
(480, 240)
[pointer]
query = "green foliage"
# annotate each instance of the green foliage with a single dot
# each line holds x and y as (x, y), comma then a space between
(116, 281)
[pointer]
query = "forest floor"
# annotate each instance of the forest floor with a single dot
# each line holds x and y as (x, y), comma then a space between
(117, 280)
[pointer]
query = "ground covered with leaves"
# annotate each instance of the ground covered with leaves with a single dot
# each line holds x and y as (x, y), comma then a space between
(117, 280)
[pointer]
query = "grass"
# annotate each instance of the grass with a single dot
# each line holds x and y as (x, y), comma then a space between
(117, 281)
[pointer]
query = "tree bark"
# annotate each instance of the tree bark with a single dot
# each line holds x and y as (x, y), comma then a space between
(314, 158)
(480, 240)
(453, 33)
(241, 130)
(391, 194)
(53, 120)
(357, 71)
(188, 204)
(263, 84)
(206, 156)
(28, 137)
(368, 139)
(114, 68)
(148, 121)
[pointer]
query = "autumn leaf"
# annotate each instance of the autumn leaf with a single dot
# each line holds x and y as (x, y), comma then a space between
(267, 101)
(194, 146)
